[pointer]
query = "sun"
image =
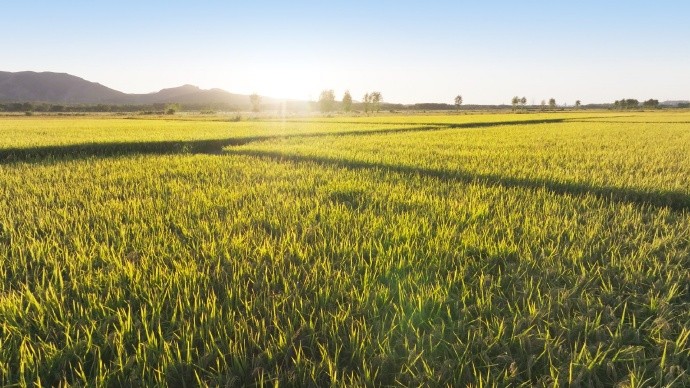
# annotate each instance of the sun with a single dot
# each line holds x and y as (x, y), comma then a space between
(285, 81)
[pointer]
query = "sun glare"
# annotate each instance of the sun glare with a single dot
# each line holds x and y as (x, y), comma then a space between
(292, 81)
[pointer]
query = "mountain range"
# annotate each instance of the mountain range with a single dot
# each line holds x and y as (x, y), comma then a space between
(62, 88)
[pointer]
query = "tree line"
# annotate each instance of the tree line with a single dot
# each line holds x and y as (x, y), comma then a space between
(371, 102)
(327, 103)
(158, 108)
(631, 103)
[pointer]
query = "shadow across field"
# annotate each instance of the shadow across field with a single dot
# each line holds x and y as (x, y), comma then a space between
(674, 200)
(65, 152)
(440, 125)
(585, 120)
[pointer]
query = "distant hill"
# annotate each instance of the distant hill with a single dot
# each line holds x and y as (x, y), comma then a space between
(66, 89)
(675, 102)
(189, 94)
(56, 88)
(61, 88)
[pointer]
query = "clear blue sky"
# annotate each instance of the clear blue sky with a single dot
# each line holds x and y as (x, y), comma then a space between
(488, 51)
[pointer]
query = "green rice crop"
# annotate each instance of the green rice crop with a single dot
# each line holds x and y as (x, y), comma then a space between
(478, 117)
(346, 254)
(32, 132)
(599, 157)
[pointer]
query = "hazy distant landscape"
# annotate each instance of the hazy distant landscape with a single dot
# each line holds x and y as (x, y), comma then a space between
(65, 89)
(59, 92)
(451, 194)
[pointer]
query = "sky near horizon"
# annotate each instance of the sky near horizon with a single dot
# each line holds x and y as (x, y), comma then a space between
(487, 51)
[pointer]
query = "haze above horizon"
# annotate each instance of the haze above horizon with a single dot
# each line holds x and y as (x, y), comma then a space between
(487, 52)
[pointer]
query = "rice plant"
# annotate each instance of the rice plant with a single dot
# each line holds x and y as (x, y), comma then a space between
(431, 250)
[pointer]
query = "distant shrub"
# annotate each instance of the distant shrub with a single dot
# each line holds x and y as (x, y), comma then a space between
(27, 113)
(235, 118)
(171, 109)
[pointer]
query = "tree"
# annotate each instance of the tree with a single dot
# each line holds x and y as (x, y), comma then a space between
(523, 102)
(552, 103)
(171, 109)
(347, 101)
(27, 107)
(375, 101)
(578, 103)
(543, 104)
(458, 101)
(515, 101)
(366, 102)
(626, 103)
(326, 100)
(255, 100)
(651, 103)
(632, 103)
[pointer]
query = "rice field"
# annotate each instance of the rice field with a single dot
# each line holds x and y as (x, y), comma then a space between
(461, 250)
